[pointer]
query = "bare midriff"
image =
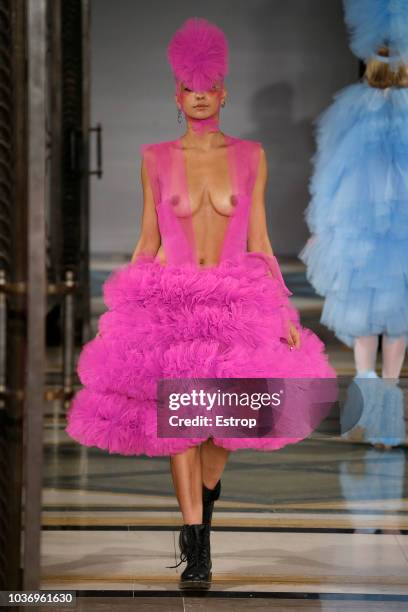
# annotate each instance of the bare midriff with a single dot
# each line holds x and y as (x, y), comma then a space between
(211, 202)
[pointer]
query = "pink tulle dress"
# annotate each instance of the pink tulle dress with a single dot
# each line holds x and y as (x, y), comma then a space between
(179, 320)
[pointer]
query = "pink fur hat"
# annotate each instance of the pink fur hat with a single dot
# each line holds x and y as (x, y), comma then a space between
(198, 54)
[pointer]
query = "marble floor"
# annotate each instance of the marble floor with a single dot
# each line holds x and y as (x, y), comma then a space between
(318, 525)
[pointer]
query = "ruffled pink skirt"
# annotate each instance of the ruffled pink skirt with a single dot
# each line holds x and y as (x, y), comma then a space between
(182, 321)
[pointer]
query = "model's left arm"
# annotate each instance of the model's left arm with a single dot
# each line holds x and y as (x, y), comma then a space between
(258, 237)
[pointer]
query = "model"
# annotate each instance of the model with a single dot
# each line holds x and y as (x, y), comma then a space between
(357, 256)
(202, 297)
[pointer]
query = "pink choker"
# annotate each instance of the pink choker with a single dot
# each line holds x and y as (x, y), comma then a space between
(200, 126)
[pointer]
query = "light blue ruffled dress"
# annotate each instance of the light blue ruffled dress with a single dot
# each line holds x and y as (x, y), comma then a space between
(357, 257)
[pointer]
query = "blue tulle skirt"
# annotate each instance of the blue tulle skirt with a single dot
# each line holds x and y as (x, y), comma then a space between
(357, 257)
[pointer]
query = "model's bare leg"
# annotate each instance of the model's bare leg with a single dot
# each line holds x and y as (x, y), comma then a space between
(187, 481)
(365, 353)
(393, 354)
(191, 469)
(213, 460)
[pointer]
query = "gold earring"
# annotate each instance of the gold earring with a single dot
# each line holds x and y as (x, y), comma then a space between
(223, 103)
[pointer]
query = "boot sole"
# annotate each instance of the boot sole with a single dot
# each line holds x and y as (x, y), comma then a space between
(196, 585)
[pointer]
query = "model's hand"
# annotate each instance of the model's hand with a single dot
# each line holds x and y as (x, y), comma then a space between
(293, 336)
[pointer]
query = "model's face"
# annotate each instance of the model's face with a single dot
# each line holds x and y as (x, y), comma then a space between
(200, 105)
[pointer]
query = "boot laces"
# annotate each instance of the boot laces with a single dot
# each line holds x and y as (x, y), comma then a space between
(195, 555)
(183, 558)
(192, 556)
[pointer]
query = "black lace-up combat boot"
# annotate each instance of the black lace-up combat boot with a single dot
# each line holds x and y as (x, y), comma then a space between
(209, 497)
(197, 552)
(197, 573)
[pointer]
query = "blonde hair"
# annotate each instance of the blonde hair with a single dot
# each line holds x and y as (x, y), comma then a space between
(380, 74)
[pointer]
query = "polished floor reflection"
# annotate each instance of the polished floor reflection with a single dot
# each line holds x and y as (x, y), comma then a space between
(320, 525)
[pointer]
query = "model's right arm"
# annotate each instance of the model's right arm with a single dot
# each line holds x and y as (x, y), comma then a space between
(149, 237)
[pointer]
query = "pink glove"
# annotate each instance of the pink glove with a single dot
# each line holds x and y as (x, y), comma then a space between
(289, 313)
(273, 265)
(276, 273)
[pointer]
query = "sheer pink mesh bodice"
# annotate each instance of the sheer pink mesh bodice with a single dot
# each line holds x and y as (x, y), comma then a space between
(182, 321)
(185, 214)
